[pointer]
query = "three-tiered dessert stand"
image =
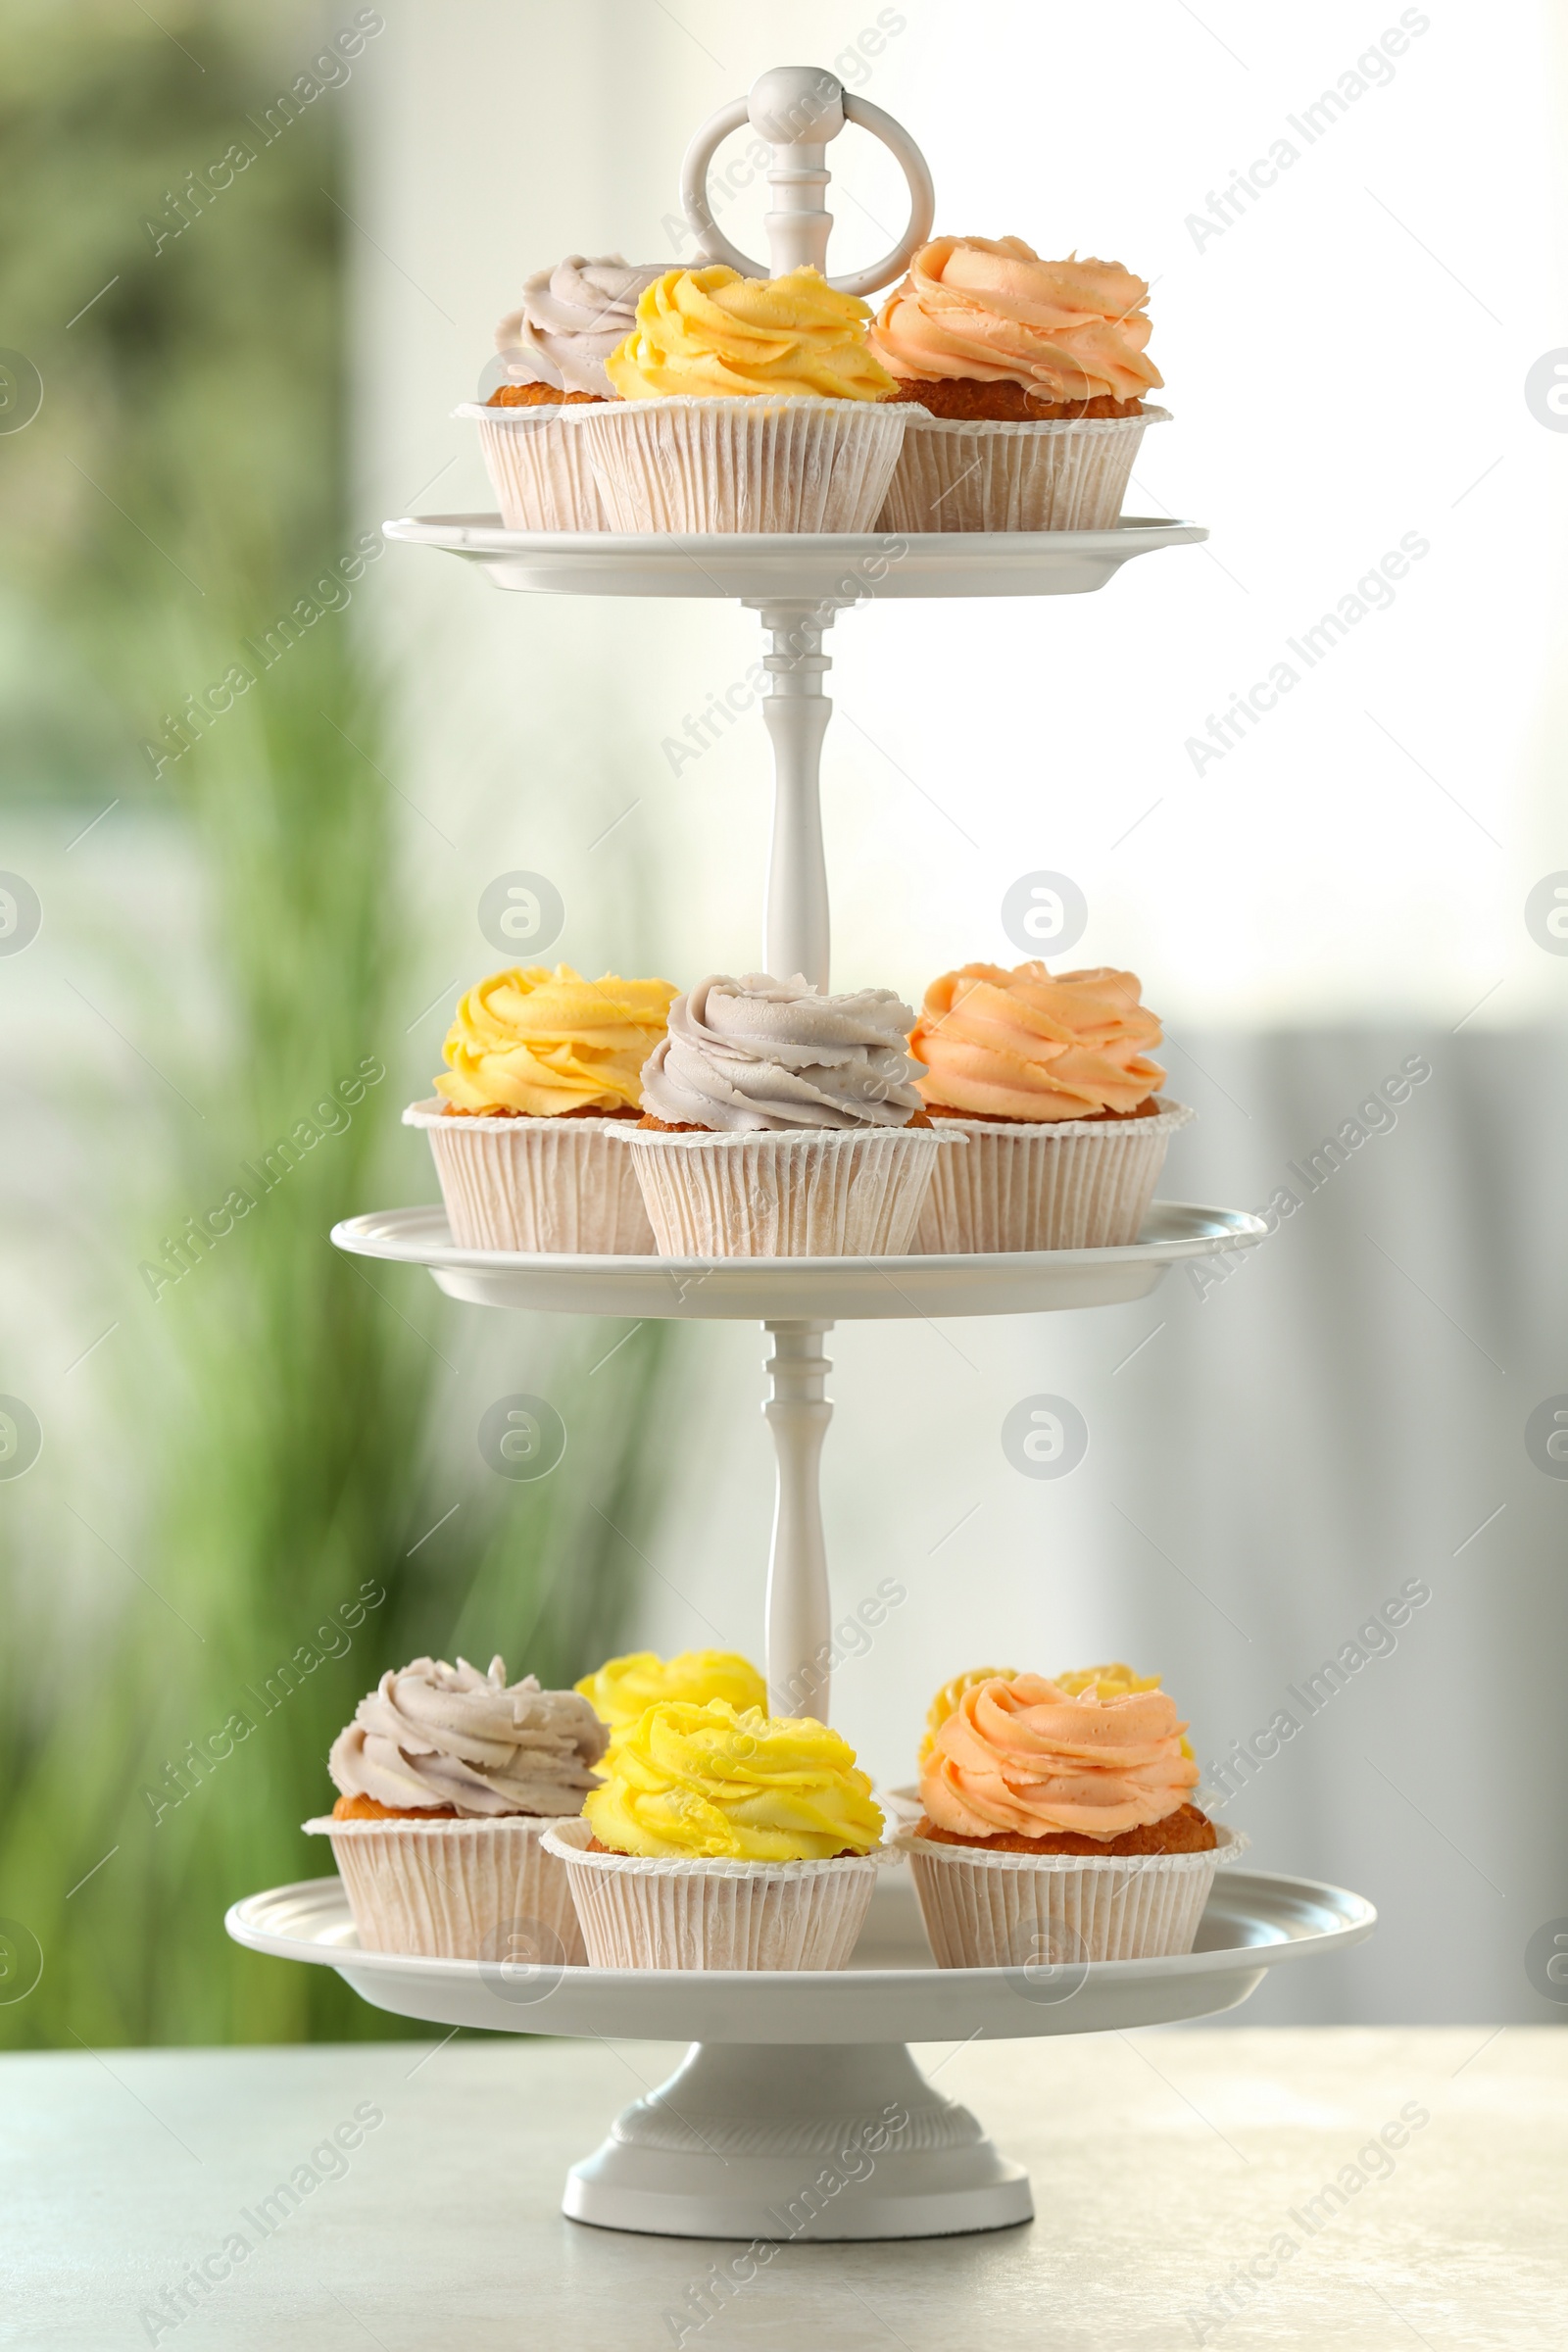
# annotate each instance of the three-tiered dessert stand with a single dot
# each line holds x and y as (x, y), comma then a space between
(799, 2112)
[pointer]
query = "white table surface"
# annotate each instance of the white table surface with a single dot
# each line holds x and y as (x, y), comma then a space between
(1160, 2161)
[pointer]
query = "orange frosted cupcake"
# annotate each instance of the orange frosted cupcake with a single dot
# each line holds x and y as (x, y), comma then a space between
(1048, 1076)
(1025, 382)
(1058, 1822)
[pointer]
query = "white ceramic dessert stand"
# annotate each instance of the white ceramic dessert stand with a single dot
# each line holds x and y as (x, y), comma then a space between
(798, 1301)
(836, 569)
(799, 584)
(817, 1289)
(798, 2113)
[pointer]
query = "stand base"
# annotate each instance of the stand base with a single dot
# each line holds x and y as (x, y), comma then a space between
(790, 2142)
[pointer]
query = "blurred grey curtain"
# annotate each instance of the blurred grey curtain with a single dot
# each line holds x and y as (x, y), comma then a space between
(1331, 1424)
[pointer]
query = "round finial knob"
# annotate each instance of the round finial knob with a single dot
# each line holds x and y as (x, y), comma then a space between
(796, 109)
(790, 103)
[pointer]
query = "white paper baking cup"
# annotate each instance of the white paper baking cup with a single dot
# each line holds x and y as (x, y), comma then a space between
(990, 1910)
(536, 1184)
(636, 1913)
(541, 472)
(742, 465)
(456, 1889)
(1063, 475)
(1062, 1184)
(827, 1192)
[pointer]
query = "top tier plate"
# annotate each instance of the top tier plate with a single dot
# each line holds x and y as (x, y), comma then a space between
(834, 566)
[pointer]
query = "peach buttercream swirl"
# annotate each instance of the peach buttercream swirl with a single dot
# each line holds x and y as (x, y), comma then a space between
(989, 310)
(1024, 1755)
(1031, 1044)
(542, 1042)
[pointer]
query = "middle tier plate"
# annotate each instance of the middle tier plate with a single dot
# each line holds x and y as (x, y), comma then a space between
(832, 1289)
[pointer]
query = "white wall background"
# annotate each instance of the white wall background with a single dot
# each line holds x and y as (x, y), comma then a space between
(1346, 362)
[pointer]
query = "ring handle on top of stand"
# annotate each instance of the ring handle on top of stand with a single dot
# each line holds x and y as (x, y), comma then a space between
(798, 110)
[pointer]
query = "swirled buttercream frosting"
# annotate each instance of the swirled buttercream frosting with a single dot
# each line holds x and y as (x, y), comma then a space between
(719, 1783)
(624, 1689)
(435, 1734)
(1030, 1043)
(571, 320)
(541, 1041)
(757, 1054)
(989, 310)
(948, 1698)
(1022, 1754)
(713, 333)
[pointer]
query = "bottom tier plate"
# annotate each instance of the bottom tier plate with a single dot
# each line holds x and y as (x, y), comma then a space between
(799, 2114)
(1254, 1921)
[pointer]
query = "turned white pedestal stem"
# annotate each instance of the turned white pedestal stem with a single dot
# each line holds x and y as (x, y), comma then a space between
(798, 1609)
(796, 711)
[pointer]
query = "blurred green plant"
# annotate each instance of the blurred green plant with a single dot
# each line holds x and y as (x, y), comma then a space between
(302, 1434)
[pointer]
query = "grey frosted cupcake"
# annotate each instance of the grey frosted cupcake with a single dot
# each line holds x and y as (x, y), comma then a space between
(449, 1779)
(782, 1123)
(549, 365)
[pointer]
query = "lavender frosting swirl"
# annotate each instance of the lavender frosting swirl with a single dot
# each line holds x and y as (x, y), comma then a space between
(439, 1735)
(763, 1054)
(570, 320)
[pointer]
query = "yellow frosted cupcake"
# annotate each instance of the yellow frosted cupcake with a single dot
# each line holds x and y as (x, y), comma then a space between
(724, 1838)
(745, 403)
(540, 1067)
(622, 1690)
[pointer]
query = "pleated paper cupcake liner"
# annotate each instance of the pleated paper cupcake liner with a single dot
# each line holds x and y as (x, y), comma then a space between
(536, 1184)
(995, 1910)
(1063, 475)
(743, 465)
(540, 471)
(824, 1193)
(1064, 1184)
(655, 1913)
(457, 1890)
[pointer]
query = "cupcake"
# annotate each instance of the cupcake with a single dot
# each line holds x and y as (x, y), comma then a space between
(1024, 381)
(449, 1779)
(723, 1838)
(1057, 1823)
(746, 404)
(1047, 1075)
(782, 1124)
(549, 360)
(622, 1690)
(542, 1066)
